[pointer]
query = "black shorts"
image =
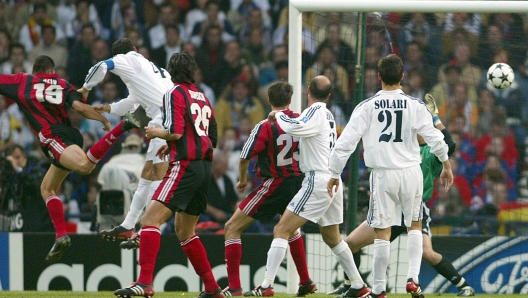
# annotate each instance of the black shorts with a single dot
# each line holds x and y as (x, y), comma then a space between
(271, 197)
(426, 229)
(57, 137)
(185, 186)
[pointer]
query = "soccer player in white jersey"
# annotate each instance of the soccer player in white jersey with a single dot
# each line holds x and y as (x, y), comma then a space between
(146, 83)
(316, 130)
(389, 123)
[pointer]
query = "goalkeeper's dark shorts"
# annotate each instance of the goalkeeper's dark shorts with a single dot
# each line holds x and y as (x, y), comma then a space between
(426, 229)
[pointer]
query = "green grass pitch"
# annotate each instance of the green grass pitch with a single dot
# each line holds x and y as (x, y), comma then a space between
(67, 294)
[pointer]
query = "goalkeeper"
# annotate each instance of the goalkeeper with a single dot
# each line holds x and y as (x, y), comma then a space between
(431, 167)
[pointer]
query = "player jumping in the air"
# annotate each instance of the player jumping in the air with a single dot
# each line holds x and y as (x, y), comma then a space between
(42, 97)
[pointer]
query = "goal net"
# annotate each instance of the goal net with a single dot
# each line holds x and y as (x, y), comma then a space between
(447, 48)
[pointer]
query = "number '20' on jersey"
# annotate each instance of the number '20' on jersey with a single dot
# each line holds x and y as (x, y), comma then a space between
(278, 152)
(41, 97)
(187, 111)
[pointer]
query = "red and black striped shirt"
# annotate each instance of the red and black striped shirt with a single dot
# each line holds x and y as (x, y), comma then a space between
(278, 152)
(187, 111)
(40, 97)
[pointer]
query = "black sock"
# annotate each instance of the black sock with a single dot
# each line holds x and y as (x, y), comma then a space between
(446, 269)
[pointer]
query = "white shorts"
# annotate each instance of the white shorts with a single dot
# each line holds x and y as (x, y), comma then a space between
(394, 192)
(155, 144)
(313, 202)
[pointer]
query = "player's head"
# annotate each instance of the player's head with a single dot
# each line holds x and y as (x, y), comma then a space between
(122, 46)
(390, 69)
(182, 68)
(320, 88)
(43, 64)
(280, 93)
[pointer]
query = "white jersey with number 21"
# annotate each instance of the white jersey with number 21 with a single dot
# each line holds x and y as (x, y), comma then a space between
(388, 123)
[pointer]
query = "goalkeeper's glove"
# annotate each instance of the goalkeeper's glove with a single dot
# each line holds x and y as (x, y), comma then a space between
(432, 108)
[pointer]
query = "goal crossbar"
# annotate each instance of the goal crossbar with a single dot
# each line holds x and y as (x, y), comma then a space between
(296, 7)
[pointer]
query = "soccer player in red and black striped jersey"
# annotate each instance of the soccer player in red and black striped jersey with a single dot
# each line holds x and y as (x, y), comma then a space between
(278, 165)
(42, 97)
(191, 134)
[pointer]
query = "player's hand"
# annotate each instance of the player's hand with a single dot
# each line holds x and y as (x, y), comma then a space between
(101, 108)
(446, 177)
(163, 151)
(241, 185)
(152, 132)
(107, 125)
(271, 116)
(333, 184)
(84, 92)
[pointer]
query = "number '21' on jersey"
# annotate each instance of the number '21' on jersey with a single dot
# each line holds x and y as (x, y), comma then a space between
(187, 111)
(40, 97)
(278, 152)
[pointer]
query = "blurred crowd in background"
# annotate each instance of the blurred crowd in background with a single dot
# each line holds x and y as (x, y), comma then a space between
(241, 47)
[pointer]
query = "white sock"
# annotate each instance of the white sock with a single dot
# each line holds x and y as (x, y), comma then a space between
(276, 254)
(346, 260)
(414, 253)
(381, 262)
(139, 201)
(153, 186)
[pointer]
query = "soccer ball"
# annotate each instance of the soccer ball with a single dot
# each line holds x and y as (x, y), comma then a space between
(500, 75)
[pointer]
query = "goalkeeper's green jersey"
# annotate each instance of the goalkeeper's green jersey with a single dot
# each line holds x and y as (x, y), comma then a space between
(431, 167)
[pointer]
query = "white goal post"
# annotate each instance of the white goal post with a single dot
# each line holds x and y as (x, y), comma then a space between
(296, 7)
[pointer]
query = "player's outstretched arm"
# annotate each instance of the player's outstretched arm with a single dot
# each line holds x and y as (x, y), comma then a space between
(88, 112)
(152, 132)
(102, 108)
(84, 92)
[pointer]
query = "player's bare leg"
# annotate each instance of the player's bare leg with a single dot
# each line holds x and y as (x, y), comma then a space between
(74, 158)
(48, 189)
(360, 237)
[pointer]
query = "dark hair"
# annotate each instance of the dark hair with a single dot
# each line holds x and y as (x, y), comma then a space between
(450, 67)
(390, 69)
(38, 5)
(42, 64)
(325, 46)
(280, 93)
(11, 148)
(319, 92)
(85, 26)
(211, 2)
(281, 64)
(78, 2)
(414, 43)
(182, 67)
(172, 26)
(17, 45)
(122, 46)
(44, 27)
